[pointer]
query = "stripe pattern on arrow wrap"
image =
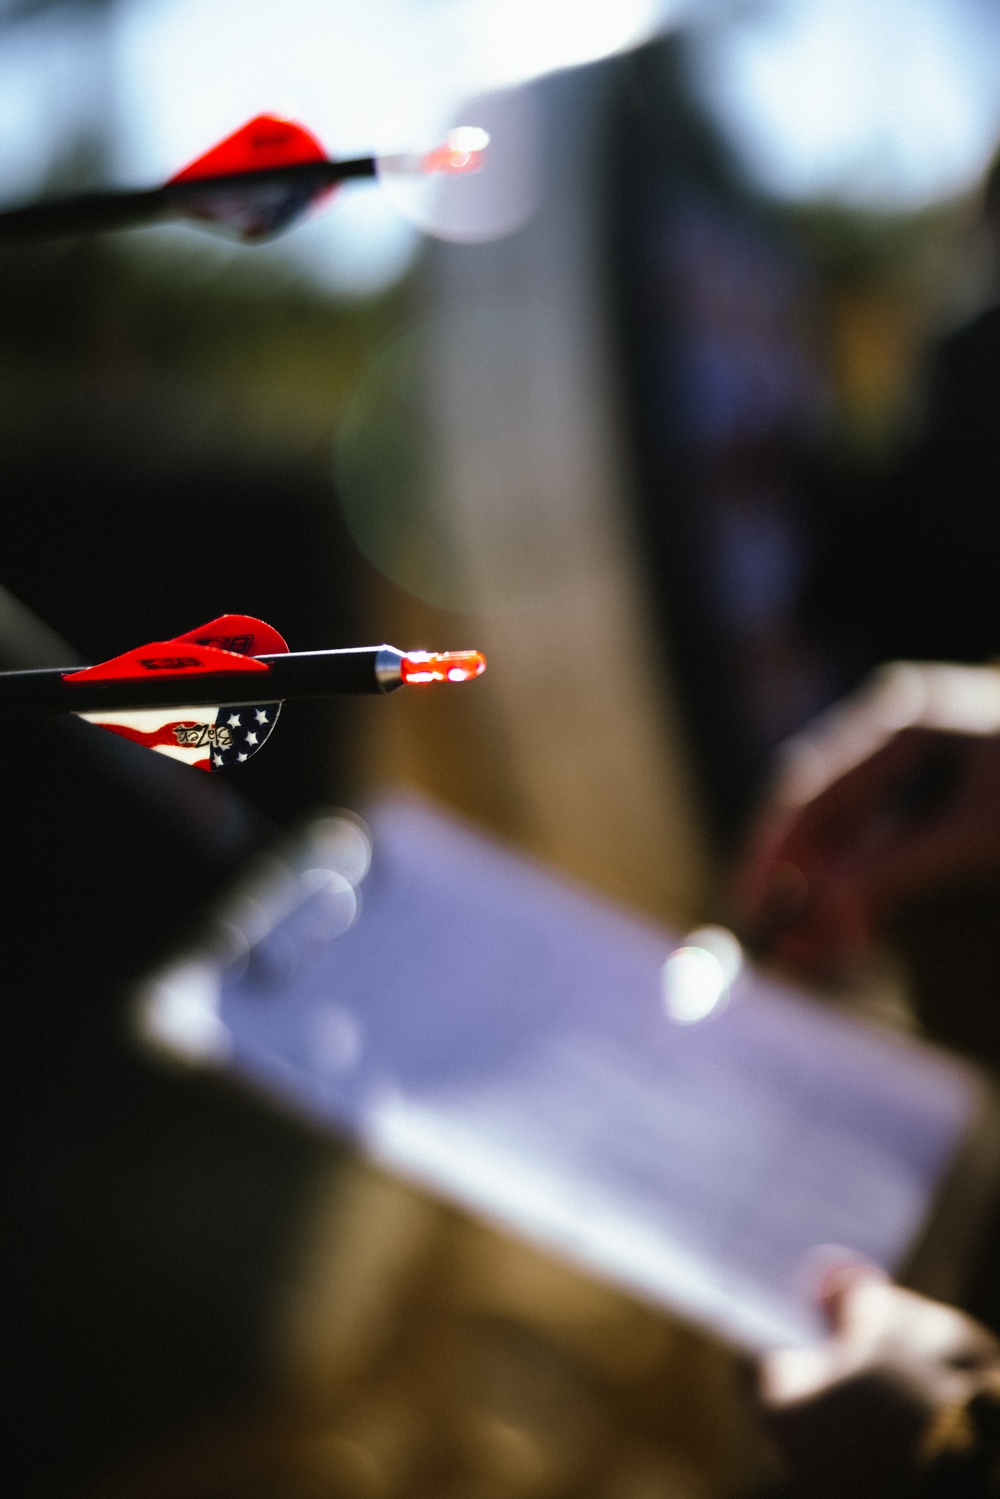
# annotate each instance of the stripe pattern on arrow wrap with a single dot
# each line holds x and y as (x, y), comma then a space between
(205, 738)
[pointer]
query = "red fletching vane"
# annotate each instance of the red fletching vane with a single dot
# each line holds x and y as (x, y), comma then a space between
(262, 143)
(441, 666)
(265, 144)
(240, 633)
(166, 658)
(211, 738)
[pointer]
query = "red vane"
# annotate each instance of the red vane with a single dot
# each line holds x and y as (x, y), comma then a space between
(263, 142)
(240, 633)
(442, 666)
(168, 658)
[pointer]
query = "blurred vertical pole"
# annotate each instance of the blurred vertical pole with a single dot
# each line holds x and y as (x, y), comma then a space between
(532, 478)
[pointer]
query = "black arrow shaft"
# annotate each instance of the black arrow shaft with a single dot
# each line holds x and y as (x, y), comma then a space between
(307, 674)
(87, 213)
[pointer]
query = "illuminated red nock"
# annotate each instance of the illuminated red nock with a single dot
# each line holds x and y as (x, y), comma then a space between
(442, 666)
(462, 152)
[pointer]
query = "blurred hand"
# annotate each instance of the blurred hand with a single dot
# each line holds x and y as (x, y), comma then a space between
(888, 1390)
(893, 794)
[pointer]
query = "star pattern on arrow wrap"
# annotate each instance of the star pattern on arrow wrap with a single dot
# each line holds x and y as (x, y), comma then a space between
(236, 740)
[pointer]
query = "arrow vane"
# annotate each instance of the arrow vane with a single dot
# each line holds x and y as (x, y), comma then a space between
(212, 697)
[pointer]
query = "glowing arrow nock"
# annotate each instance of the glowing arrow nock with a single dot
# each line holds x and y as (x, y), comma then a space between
(462, 152)
(441, 666)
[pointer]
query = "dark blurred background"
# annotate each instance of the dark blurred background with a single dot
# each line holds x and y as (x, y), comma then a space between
(671, 430)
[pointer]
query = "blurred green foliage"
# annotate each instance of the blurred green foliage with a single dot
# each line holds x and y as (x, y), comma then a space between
(253, 353)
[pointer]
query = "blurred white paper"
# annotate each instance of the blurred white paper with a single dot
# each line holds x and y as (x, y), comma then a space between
(504, 1038)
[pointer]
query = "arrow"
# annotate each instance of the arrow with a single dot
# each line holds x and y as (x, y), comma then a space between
(256, 182)
(211, 697)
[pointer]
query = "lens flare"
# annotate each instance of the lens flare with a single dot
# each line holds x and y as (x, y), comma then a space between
(442, 666)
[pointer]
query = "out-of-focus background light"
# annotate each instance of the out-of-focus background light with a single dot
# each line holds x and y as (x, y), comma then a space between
(698, 977)
(885, 103)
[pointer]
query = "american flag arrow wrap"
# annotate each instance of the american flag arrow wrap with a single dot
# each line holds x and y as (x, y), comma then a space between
(211, 697)
(207, 740)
